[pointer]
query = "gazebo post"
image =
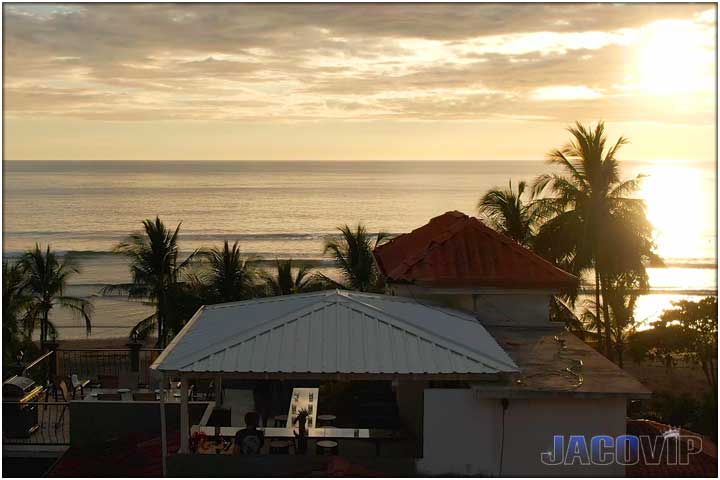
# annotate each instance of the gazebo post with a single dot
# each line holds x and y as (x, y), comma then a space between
(163, 434)
(218, 391)
(184, 416)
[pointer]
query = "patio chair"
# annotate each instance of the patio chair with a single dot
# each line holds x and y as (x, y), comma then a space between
(54, 386)
(109, 381)
(66, 400)
(78, 384)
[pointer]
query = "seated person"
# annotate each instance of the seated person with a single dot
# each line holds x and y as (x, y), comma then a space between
(249, 440)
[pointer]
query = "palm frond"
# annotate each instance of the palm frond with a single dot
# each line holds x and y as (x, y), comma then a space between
(143, 328)
(80, 308)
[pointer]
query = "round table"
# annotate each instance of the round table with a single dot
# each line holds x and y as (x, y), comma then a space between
(326, 420)
(326, 447)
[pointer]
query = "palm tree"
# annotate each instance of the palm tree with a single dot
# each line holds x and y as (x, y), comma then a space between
(507, 212)
(16, 306)
(231, 277)
(621, 298)
(353, 256)
(156, 276)
(589, 200)
(283, 282)
(47, 278)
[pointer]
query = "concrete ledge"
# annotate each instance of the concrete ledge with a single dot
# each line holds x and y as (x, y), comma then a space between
(287, 466)
(33, 451)
(94, 422)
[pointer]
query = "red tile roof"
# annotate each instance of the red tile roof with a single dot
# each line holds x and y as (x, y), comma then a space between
(702, 464)
(455, 250)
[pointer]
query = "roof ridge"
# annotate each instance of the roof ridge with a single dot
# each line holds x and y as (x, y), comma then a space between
(440, 336)
(442, 238)
(276, 298)
(455, 213)
(458, 227)
(518, 247)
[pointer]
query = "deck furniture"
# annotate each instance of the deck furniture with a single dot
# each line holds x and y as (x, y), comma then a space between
(376, 436)
(280, 421)
(91, 395)
(54, 386)
(326, 447)
(280, 447)
(78, 384)
(20, 407)
(326, 420)
(65, 398)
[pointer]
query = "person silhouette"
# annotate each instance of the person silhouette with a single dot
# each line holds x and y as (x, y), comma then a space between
(249, 440)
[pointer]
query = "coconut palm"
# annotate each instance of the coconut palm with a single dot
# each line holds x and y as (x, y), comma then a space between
(156, 277)
(620, 298)
(506, 211)
(354, 258)
(283, 282)
(47, 278)
(16, 306)
(589, 200)
(230, 276)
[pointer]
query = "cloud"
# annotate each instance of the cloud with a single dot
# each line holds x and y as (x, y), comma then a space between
(565, 92)
(328, 61)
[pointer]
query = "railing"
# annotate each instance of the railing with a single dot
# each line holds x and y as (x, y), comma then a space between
(36, 423)
(90, 363)
(40, 369)
(48, 423)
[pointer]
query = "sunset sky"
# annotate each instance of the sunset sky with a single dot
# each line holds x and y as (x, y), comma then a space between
(361, 81)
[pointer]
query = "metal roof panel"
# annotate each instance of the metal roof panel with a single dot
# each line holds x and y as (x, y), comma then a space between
(334, 332)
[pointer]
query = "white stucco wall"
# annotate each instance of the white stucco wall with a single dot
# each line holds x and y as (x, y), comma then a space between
(462, 433)
(522, 307)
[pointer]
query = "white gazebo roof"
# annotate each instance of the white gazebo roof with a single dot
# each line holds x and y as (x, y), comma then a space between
(334, 333)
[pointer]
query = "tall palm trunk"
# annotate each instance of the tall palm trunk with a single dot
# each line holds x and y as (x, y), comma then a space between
(161, 321)
(597, 307)
(45, 326)
(43, 330)
(606, 319)
(161, 310)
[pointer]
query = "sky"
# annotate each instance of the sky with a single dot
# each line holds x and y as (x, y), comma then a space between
(355, 81)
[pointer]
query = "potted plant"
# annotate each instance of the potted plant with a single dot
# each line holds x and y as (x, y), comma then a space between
(301, 420)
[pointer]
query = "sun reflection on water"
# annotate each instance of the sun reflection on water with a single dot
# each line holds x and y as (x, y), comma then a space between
(681, 205)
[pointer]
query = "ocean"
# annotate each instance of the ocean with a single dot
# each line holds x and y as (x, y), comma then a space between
(287, 209)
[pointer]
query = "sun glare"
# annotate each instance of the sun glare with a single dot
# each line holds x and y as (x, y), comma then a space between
(675, 57)
(668, 191)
